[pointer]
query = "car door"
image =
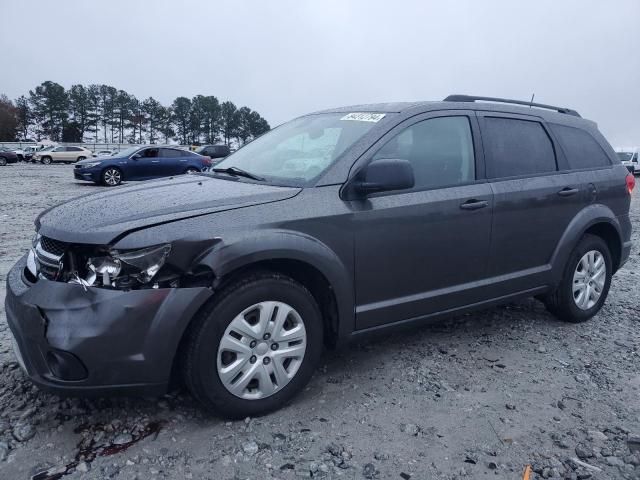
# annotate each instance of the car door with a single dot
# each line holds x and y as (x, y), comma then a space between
(535, 198)
(72, 154)
(424, 250)
(172, 161)
(143, 164)
(59, 154)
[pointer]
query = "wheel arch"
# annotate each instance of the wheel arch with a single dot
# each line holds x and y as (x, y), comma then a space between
(305, 260)
(105, 168)
(299, 256)
(597, 220)
(611, 236)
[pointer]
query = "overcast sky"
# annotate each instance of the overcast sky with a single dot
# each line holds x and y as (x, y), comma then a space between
(285, 58)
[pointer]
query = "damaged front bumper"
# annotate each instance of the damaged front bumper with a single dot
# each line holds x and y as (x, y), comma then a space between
(97, 341)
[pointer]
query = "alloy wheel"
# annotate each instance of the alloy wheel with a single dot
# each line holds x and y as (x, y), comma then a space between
(261, 350)
(112, 177)
(589, 279)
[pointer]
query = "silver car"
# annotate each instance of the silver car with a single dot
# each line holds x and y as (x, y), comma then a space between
(62, 154)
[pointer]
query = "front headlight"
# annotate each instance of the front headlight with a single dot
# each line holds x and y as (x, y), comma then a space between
(148, 260)
(91, 164)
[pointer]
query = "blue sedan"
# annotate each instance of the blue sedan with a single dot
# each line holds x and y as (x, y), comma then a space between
(140, 163)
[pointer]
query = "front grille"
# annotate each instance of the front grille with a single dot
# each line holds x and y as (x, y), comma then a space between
(52, 246)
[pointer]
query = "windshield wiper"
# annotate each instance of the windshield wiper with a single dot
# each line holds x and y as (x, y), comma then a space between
(237, 172)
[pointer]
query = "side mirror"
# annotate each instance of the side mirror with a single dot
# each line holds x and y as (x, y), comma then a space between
(384, 175)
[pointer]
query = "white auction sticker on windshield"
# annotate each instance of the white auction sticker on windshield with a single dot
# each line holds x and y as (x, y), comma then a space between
(364, 117)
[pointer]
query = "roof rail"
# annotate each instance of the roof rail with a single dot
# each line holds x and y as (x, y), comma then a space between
(471, 98)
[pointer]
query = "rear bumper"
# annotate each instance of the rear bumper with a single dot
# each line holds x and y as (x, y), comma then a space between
(99, 341)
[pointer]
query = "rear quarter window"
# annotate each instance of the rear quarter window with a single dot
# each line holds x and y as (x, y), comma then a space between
(580, 148)
(516, 147)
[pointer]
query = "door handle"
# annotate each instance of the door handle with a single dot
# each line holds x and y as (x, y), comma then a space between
(155, 161)
(474, 204)
(568, 191)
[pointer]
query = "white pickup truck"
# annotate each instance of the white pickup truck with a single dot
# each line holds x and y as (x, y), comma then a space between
(629, 158)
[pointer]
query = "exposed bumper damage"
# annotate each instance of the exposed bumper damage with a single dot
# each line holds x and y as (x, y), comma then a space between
(81, 339)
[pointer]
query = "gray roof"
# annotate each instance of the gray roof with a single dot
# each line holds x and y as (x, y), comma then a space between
(425, 106)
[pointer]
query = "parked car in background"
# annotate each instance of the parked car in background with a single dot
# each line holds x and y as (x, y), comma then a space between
(629, 158)
(104, 153)
(29, 152)
(140, 163)
(215, 152)
(20, 153)
(7, 156)
(62, 154)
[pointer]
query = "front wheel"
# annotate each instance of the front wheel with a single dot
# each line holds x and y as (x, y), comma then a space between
(80, 158)
(3, 161)
(191, 171)
(585, 282)
(45, 160)
(254, 347)
(112, 177)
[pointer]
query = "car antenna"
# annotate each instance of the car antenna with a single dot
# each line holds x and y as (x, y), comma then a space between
(531, 101)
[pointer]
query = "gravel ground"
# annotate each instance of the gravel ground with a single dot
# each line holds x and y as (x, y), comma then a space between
(481, 396)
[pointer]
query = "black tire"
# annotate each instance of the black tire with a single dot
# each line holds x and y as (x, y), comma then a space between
(111, 173)
(45, 160)
(3, 161)
(191, 170)
(80, 158)
(200, 349)
(561, 302)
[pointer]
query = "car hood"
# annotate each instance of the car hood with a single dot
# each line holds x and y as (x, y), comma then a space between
(93, 159)
(102, 217)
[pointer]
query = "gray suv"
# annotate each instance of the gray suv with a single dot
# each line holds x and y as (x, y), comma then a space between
(332, 226)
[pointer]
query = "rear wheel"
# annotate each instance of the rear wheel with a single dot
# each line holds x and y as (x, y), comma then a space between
(45, 160)
(3, 161)
(585, 282)
(80, 158)
(254, 347)
(112, 177)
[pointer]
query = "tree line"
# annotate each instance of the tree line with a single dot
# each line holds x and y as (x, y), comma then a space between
(102, 113)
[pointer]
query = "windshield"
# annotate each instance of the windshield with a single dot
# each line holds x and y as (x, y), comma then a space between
(299, 151)
(126, 152)
(47, 149)
(624, 156)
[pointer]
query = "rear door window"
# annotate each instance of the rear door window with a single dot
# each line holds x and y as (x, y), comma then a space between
(172, 153)
(580, 148)
(516, 147)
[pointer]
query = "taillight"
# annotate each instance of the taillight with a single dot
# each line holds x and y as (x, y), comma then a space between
(631, 182)
(207, 161)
